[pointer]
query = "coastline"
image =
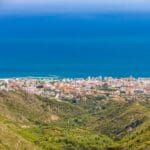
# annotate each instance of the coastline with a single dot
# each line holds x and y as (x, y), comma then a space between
(55, 77)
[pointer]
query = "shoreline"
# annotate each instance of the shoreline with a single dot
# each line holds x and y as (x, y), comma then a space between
(54, 77)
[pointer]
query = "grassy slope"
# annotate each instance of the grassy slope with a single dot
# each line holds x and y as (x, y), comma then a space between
(139, 138)
(10, 140)
(92, 124)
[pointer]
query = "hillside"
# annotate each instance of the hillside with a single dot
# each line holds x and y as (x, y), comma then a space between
(31, 122)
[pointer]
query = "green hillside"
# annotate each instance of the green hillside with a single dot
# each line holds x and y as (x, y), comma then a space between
(29, 122)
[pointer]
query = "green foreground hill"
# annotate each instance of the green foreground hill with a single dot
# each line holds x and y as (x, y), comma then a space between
(29, 122)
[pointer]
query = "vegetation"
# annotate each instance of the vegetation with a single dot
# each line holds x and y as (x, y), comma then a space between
(30, 122)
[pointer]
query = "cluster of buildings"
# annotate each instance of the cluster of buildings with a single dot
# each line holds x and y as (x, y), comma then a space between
(78, 88)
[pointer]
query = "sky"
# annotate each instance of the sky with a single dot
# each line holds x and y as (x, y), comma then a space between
(74, 6)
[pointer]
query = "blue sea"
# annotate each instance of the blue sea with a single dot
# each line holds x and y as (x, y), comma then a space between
(75, 45)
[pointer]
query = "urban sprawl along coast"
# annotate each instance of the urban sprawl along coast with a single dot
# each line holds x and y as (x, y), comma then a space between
(78, 88)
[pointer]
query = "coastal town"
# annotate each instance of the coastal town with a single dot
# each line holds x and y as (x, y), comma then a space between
(61, 89)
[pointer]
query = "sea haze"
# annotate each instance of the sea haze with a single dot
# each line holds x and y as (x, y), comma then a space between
(76, 45)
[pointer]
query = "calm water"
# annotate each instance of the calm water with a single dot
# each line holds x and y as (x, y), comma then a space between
(75, 46)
